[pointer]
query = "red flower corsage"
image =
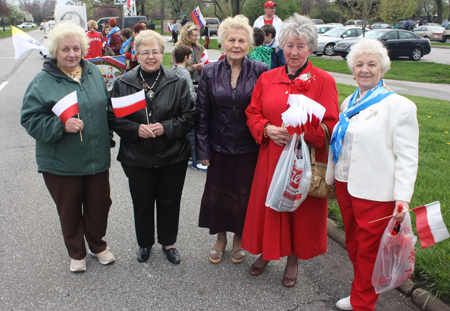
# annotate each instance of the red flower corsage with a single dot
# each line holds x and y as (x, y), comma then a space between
(303, 82)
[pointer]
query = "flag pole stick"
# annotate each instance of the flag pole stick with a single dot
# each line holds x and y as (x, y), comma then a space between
(81, 136)
(393, 215)
(146, 113)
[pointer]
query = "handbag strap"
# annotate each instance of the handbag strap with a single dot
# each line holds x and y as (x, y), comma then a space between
(327, 143)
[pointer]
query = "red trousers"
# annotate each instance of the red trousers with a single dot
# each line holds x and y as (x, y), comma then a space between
(83, 204)
(207, 42)
(362, 240)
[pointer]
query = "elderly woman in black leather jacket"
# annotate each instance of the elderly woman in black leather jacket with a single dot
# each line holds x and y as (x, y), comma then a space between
(223, 140)
(154, 146)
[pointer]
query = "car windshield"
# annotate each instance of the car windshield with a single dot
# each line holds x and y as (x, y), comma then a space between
(373, 34)
(336, 32)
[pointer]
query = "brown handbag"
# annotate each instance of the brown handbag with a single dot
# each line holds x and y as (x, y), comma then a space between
(318, 187)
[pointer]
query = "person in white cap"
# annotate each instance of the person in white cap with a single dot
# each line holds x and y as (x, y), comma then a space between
(269, 18)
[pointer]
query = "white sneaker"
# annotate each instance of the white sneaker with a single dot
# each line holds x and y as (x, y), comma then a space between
(200, 167)
(344, 304)
(77, 265)
(104, 259)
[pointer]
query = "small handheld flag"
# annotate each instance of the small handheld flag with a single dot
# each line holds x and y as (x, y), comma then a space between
(430, 224)
(126, 105)
(67, 107)
(23, 42)
(198, 18)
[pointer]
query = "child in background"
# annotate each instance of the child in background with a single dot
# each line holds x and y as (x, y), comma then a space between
(278, 59)
(260, 52)
(182, 55)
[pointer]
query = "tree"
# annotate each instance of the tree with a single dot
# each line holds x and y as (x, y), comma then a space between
(4, 12)
(364, 10)
(15, 13)
(439, 11)
(103, 11)
(391, 11)
(428, 7)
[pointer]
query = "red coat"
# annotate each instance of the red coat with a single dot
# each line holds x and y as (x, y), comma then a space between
(303, 232)
(95, 43)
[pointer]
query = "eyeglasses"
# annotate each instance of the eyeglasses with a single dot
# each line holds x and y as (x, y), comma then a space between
(195, 35)
(147, 53)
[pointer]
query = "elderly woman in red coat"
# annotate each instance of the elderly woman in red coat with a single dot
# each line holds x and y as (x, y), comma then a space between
(302, 233)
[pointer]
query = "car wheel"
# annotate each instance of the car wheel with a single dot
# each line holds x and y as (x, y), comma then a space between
(447, 39)
(329, 49)
(416, 54)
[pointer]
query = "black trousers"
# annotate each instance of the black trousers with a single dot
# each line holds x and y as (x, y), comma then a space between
(83, 204)
(163, 186)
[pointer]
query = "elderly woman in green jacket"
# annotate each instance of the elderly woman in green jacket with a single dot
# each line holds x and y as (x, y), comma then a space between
(73, 156)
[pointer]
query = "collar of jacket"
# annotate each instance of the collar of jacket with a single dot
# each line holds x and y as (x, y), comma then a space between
(245, 62)
(52, 68)
(133, 78)
(282, 76)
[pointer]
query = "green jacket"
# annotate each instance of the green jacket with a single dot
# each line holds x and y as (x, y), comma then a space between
(263, 54)
(57, 151)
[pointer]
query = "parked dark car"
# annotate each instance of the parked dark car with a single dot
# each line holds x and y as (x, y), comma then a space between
(398, 43)
(401, 24)
(380, 26)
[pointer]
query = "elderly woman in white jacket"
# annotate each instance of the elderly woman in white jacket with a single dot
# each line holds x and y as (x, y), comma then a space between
(373, 160)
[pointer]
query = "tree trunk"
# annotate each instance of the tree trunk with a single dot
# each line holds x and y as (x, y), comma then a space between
(162, 17)
(341, 9)
(142, 13)
(439, 11)
(3, 23)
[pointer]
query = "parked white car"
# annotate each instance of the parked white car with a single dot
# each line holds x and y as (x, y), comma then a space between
(26, 25)
(328, 40)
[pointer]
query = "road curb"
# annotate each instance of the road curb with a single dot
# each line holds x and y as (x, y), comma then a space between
(440, 47)
(421, 298)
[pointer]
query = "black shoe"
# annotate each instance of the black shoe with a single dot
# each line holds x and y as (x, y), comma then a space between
(172, 255)
(143, 254)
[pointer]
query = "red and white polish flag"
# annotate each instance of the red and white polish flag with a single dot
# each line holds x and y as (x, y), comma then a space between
(67, 107)
(205, 59)
(430, 225)
(126, 105)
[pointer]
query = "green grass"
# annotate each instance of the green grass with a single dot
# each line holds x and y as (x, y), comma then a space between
(440, 43)
(7, 32)
(432, 268)
(416, 71)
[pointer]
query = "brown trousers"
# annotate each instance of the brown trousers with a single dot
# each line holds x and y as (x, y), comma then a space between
(83, 204)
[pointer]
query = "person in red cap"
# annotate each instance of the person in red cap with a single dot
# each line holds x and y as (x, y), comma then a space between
(270, 18)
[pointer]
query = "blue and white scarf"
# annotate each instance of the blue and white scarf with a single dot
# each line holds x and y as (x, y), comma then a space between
(111, 33)
(372, 97)
(124, 45)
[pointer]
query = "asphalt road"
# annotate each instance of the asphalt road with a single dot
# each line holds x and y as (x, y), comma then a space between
(34, 265)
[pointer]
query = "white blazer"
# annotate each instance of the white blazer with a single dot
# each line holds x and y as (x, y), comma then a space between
(277, 23)
(384, 159)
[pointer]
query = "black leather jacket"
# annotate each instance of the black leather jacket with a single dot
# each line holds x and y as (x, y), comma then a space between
(221, 125)
(171, 106)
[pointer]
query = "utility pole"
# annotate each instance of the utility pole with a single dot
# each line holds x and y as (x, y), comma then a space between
(162, 17)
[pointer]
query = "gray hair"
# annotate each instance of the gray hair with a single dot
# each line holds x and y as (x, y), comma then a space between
(63, 30)
(369, 46)
(237, 22)
(299, 27)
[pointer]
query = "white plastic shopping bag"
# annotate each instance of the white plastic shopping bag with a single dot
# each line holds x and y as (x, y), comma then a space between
(291, 179)
(396, 256)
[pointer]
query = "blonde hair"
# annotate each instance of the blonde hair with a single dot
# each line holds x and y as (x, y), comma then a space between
(369, 46)
(298, 27)
(92, 24)
(149, 37)
(233, 23)
(63, 30)
(185, 33)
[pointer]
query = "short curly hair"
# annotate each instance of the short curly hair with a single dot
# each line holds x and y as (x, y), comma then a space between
(299, 27)
(63, 30)
(186, 32)
(237, 22)
(149, 37)
(369, 46)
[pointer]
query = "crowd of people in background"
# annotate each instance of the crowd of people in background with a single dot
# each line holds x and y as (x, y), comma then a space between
(222, 117)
